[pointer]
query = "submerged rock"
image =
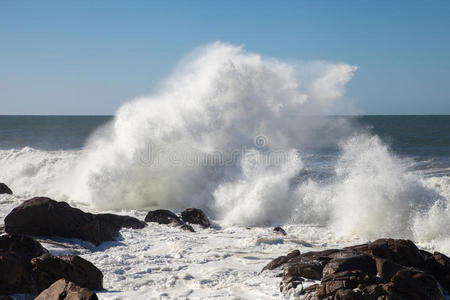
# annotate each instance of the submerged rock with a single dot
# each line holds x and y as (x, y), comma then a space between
(384, 269)
(64, 289)
(279, 230)
(195, 216)
(43, 216)
(4, 189)
(163, 216)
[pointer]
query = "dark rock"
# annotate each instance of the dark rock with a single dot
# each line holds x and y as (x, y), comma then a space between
(414, 284)
(362, 262)
(279, 261)
(64, 289)
(438, 265)
(122, 221)
(187, 227)
(310, 270)
(43, 216)
(402, 252)
(48, 269)
(279, 230)
(15, 274)
(21, 245)
(4, 189)
(163, 216)
(15, 267)
(195, 216)
(386, 268)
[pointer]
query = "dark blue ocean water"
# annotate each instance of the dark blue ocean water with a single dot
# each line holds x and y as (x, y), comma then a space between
(424, 139)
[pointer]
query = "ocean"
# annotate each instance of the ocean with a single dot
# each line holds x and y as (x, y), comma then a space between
(249, 141)
(38, 153)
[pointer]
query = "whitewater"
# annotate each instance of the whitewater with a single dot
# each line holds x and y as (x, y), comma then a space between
(245, 138)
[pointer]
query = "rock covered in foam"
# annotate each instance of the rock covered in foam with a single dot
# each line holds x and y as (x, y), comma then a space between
(384, 269)
(195, 216)
(43, 216)
(4, 189)
(64, 289)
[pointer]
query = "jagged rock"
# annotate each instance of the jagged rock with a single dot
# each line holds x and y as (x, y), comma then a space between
(195, 216)
(384, 269)
(414, 284)
(402, 252)
(363, 262)
(438, 265)
(279, 230)
(281, 260)
(46, 269)
(15, 268)
(4, 189)
(64, 289)
(42, 216)
(163, 216)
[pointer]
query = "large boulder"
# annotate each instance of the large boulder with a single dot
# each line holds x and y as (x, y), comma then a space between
(4, 189)
(195, 216)
(46, 269)
(42, 216)
(15, 267)
(163, 216)
(64, 289)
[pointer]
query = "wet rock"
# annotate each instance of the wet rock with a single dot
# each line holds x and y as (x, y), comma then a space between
(187, 227)
(362, 262)
(15, 267)
(384, 269)
(4, 189)
(438, 265)
(64, 289)
(43, 216)
(163, 216)
(414, 284)
(281, 260)
(47, 269)
(122, 221)
(279, 230)
(195, 216)
(402, 252)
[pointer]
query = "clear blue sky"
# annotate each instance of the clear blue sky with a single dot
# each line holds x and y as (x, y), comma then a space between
(88, 57)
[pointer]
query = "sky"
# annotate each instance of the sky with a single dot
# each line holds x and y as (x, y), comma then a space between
(89, 57)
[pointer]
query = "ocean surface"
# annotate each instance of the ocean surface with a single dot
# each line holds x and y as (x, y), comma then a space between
(247, 139)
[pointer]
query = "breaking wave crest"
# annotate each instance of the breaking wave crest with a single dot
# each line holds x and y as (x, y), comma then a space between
(229, 132)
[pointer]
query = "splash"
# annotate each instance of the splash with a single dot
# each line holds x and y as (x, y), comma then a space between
(232, 132)
(215, 105)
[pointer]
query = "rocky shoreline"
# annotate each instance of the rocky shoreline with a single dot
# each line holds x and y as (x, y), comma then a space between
(383, 269)
(26, 267)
